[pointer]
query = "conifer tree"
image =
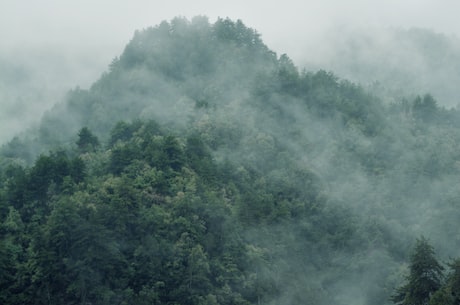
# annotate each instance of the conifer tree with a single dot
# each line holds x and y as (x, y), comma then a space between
(425, 276)
(87, 141)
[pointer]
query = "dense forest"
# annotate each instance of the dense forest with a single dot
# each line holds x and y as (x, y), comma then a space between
(204, 168)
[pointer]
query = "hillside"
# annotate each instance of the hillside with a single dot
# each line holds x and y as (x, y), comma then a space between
(203, 168)
(394, 62)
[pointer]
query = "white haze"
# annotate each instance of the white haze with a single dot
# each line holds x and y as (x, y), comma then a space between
(50, 46)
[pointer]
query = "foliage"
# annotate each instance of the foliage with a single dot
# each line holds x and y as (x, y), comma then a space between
(87, 142)
(425, 276)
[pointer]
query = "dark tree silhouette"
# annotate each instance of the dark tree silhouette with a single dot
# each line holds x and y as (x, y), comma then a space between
(425, 276)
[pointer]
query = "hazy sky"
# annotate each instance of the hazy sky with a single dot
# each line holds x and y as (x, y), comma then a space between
(105, 26)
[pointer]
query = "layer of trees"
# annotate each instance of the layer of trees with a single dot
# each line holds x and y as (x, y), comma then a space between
(151, 218)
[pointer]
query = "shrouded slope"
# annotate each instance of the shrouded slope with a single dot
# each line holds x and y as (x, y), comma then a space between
(164, 73)
(395, 62)
(178, 71)
(153, 219)
(325, 185)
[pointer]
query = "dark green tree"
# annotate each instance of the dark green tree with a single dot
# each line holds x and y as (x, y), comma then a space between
(425, 276)
(441, 297)
(425, 109)
(172, 153)
(453, 282)
(87, 141)
(123, 131)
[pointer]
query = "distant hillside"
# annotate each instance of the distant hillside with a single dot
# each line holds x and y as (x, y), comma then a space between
(33, 80)
(395, 62)
(203, 168)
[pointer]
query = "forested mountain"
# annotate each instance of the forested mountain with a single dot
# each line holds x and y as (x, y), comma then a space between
(203, 168)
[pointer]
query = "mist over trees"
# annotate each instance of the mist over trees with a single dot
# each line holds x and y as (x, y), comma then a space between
(393, 63)
(204, 168)
(32, 80)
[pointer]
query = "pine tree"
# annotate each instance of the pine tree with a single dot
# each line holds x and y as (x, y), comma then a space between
(87, 141)
(425, 276)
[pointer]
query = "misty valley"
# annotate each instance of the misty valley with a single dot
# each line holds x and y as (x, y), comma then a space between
(202, 168)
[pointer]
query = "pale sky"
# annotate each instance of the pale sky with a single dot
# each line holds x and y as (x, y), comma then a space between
(285, 25)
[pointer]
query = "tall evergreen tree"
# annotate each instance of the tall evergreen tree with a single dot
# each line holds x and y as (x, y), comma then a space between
(87, 141)
(453, 281)
(425, 276)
